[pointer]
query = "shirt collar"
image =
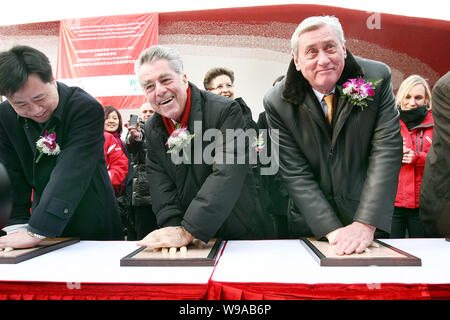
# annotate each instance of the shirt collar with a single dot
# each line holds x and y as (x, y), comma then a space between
(321, 95)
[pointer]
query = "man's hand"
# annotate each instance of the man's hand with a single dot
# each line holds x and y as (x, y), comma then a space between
(169, 237)
(135, 132)
(19, 240)
(355, 237)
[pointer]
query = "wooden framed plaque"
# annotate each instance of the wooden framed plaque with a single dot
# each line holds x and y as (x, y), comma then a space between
(384, 255)
(197, 254)
(45, 246)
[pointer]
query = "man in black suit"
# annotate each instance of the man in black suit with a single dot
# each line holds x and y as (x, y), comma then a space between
(206, 195)
(435, 189)
(339, 159)
(51, 143)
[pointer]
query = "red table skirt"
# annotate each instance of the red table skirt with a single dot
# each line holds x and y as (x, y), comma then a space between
(221, 291)
(333, 291)
(109, 291)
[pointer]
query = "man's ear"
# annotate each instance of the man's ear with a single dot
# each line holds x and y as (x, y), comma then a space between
(297, 66)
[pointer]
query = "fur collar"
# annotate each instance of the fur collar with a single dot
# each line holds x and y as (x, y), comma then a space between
(296, 86)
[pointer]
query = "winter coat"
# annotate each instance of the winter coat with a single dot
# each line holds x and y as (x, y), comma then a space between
(72, 192)
(419, 139)
(141, 188)
(208, 200)
(116, 160)
(341, 173)
(247, 112)
(435, 189)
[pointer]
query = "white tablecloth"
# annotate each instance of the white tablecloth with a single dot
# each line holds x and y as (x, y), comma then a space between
(98, 262)
(288, 261)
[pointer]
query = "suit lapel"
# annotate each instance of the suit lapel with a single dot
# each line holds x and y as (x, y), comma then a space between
(32, 133)
(196, 115)
(312, 105)
(344, 108)
(181, 170)
(42, 169)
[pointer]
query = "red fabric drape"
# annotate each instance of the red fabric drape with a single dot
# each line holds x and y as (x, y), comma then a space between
(332, 291)
(73, 291)
(222, 291)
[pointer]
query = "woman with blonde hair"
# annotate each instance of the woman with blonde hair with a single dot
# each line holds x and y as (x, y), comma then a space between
(416, 121)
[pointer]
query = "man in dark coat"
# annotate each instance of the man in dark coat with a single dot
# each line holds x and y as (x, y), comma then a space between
(51, 143)
(434, 200)
(143, 217)
(199, 197)
(341, 171)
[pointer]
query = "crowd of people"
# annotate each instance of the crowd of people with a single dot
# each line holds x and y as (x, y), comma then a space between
(355, 161)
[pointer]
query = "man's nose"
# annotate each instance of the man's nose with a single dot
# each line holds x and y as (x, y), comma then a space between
(35, 109)
(160, 89)
(323, 58)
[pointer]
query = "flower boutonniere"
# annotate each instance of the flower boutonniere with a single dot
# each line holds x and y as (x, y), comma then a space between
(258, 144)
(179, 139)
(47, 145)
(358, 91)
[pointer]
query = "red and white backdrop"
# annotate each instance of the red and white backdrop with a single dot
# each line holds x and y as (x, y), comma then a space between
(254, 42)
(98, 54)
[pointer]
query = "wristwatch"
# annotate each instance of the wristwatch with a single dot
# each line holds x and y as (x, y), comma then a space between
(35, 235)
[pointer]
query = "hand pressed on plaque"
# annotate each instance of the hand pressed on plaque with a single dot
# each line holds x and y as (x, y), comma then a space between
(19, 240)
(169, 237)
(355, 237)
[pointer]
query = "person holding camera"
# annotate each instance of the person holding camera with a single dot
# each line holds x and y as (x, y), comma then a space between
(141, 201)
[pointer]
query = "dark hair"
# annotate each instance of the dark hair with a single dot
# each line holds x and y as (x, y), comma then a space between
(215, 72)
(110, 109)
(17, 64)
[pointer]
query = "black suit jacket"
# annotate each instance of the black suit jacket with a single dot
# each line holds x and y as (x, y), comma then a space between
(209, 200)
(434, 198)
(344, 173)
(73, 195)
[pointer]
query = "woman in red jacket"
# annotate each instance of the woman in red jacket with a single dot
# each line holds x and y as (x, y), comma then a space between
(116, 161)
(416, 121)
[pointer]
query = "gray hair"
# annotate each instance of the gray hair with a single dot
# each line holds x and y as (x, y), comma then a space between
(155, 53)
(313, 23)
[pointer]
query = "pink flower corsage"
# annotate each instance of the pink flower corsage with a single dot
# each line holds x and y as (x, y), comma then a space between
(47, 145)
(358, 91)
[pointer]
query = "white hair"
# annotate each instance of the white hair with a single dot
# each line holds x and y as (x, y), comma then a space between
(313, 23)
(157, 52)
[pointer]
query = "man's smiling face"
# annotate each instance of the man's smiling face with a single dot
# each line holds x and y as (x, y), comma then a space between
(164, 89)
(321, 58)
(36, 100)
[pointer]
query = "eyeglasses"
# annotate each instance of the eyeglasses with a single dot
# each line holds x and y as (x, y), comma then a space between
(221, 87)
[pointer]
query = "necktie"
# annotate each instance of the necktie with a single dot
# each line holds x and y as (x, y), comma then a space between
(329, 101)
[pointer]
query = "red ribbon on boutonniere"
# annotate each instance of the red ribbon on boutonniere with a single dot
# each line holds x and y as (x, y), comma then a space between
(168, 123)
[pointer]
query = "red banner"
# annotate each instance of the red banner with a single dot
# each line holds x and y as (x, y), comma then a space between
(98, 54)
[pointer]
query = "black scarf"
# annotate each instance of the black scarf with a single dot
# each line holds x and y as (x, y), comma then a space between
(413, 117)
